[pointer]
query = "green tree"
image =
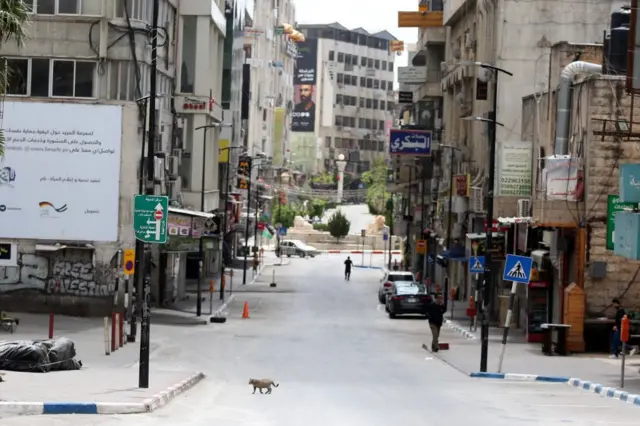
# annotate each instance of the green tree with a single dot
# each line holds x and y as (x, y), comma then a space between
(14, 15)
(338, 225)
(316, 207)
(285, 214)
(376, 181)
(323, 178)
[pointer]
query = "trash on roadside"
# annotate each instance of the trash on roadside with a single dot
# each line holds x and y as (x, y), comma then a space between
(39, 356)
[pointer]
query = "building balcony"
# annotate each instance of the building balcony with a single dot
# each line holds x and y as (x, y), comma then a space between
(432, 87)
(431, 36)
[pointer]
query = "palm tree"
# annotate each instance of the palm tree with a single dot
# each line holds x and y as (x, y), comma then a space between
(14, 14)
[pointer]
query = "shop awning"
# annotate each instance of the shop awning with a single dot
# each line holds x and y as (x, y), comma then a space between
(56, 247)
(454, 254)
(516, 220)
(192, 213)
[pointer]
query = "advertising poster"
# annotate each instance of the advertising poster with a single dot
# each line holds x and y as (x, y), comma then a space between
(60, 174)
(513, 169)
(304, 85)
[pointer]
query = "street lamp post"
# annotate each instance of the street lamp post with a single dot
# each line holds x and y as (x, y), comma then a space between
(202, 183)
(246, 227)
(409, 217)
(487, 285)
(341, 163)
(225, 194)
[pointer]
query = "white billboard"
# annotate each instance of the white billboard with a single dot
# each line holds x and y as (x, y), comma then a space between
(60, 175)
(412, 75)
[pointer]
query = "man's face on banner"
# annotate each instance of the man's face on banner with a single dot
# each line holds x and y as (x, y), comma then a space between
(306, 91)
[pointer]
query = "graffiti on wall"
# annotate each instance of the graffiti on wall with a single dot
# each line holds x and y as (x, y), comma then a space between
(65, 272)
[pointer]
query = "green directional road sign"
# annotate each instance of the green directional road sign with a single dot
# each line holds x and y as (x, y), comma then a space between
(150, 218)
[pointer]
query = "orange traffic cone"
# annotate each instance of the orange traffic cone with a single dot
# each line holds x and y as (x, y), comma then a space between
(245, 311)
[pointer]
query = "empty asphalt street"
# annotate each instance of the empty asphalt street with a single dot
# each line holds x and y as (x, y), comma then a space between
(340, 361)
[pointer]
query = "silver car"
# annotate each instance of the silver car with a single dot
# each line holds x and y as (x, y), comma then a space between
(387, 281)
(297, 248)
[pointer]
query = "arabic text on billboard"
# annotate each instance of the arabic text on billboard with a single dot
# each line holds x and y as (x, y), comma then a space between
(409, 142)
(304, 80)
(514, 169)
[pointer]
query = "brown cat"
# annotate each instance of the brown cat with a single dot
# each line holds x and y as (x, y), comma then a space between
(262, 383)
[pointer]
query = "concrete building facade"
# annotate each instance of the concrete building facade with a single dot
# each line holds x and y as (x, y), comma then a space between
(88, 54)
(355, 95)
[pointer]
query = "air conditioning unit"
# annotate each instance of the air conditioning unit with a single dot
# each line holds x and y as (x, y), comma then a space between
(175, 189)
(158, 170)
(524, 206)
(174, 167)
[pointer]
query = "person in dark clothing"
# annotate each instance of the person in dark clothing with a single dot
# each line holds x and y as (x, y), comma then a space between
(435, 312)
(347, 268)
(620, 313)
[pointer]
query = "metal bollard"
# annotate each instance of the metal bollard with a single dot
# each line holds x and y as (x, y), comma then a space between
(51, 319)
(121, 328)
(107, 348)
(273, 278)
(114, 322)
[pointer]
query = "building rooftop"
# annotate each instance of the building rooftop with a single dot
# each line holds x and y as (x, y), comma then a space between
(385, 35)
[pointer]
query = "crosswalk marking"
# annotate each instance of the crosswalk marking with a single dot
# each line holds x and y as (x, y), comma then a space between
(517, 271)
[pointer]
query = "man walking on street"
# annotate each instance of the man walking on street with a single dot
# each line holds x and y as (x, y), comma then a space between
(347, 268)
(620, 313)
(436, 311)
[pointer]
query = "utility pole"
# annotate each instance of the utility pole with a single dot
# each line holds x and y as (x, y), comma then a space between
(145, 332)
(486, 292)
(246, 226)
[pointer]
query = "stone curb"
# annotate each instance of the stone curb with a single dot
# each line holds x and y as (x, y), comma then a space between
(159, 400)
(520, 377)
(605, 391)
(466, 334)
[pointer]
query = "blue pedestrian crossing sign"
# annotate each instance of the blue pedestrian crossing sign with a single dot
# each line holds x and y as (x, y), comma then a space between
(517, 268)
(282, 231)
(476, 265)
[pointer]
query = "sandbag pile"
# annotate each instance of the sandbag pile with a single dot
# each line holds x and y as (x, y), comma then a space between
(39, 356)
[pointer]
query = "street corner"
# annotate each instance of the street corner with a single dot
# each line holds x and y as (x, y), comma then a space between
(221, 311)
(163, 398)
(152, 403)
(604, 391)
(518, 377)
(460, 329)
(439, 355)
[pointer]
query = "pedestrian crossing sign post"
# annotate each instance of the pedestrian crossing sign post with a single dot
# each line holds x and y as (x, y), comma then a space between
(476, 265)
(517, 269)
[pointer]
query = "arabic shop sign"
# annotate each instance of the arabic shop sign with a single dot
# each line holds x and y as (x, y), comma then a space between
(614, 205)
(630, 183)
(409, 142)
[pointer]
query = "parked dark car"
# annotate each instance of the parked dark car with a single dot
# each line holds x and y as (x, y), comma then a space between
(408, 297)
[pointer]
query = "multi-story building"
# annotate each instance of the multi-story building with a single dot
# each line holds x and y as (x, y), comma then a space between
(75, 115)
(270, 59)
(353, 97)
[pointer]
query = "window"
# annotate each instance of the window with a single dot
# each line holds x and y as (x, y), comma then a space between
(390, 106)
(375, 104)
(390, 86)
(369, 63)
(361, 123)
(73, 79)
(367, 123)
(354, 59)
(370, 83)
(363, 81)
(369, 103)
(340, 57)
(141, 10)
(327, 141)
(381, 126)
(383, 84)
(376, 64)
(376, 84)
(189, 41)
(40, 72)
(18, 76)
(384, 65)
(65, 7)
(380, 146)
(340, 78)
(363, 61)
(382, 105)
(361, 102)
(332, 55)
(338, 99)
(338, 120)
(347, 59)
(352, 122)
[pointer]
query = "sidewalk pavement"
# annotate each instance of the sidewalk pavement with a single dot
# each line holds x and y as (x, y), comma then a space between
(523, 358)
(105, 384)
